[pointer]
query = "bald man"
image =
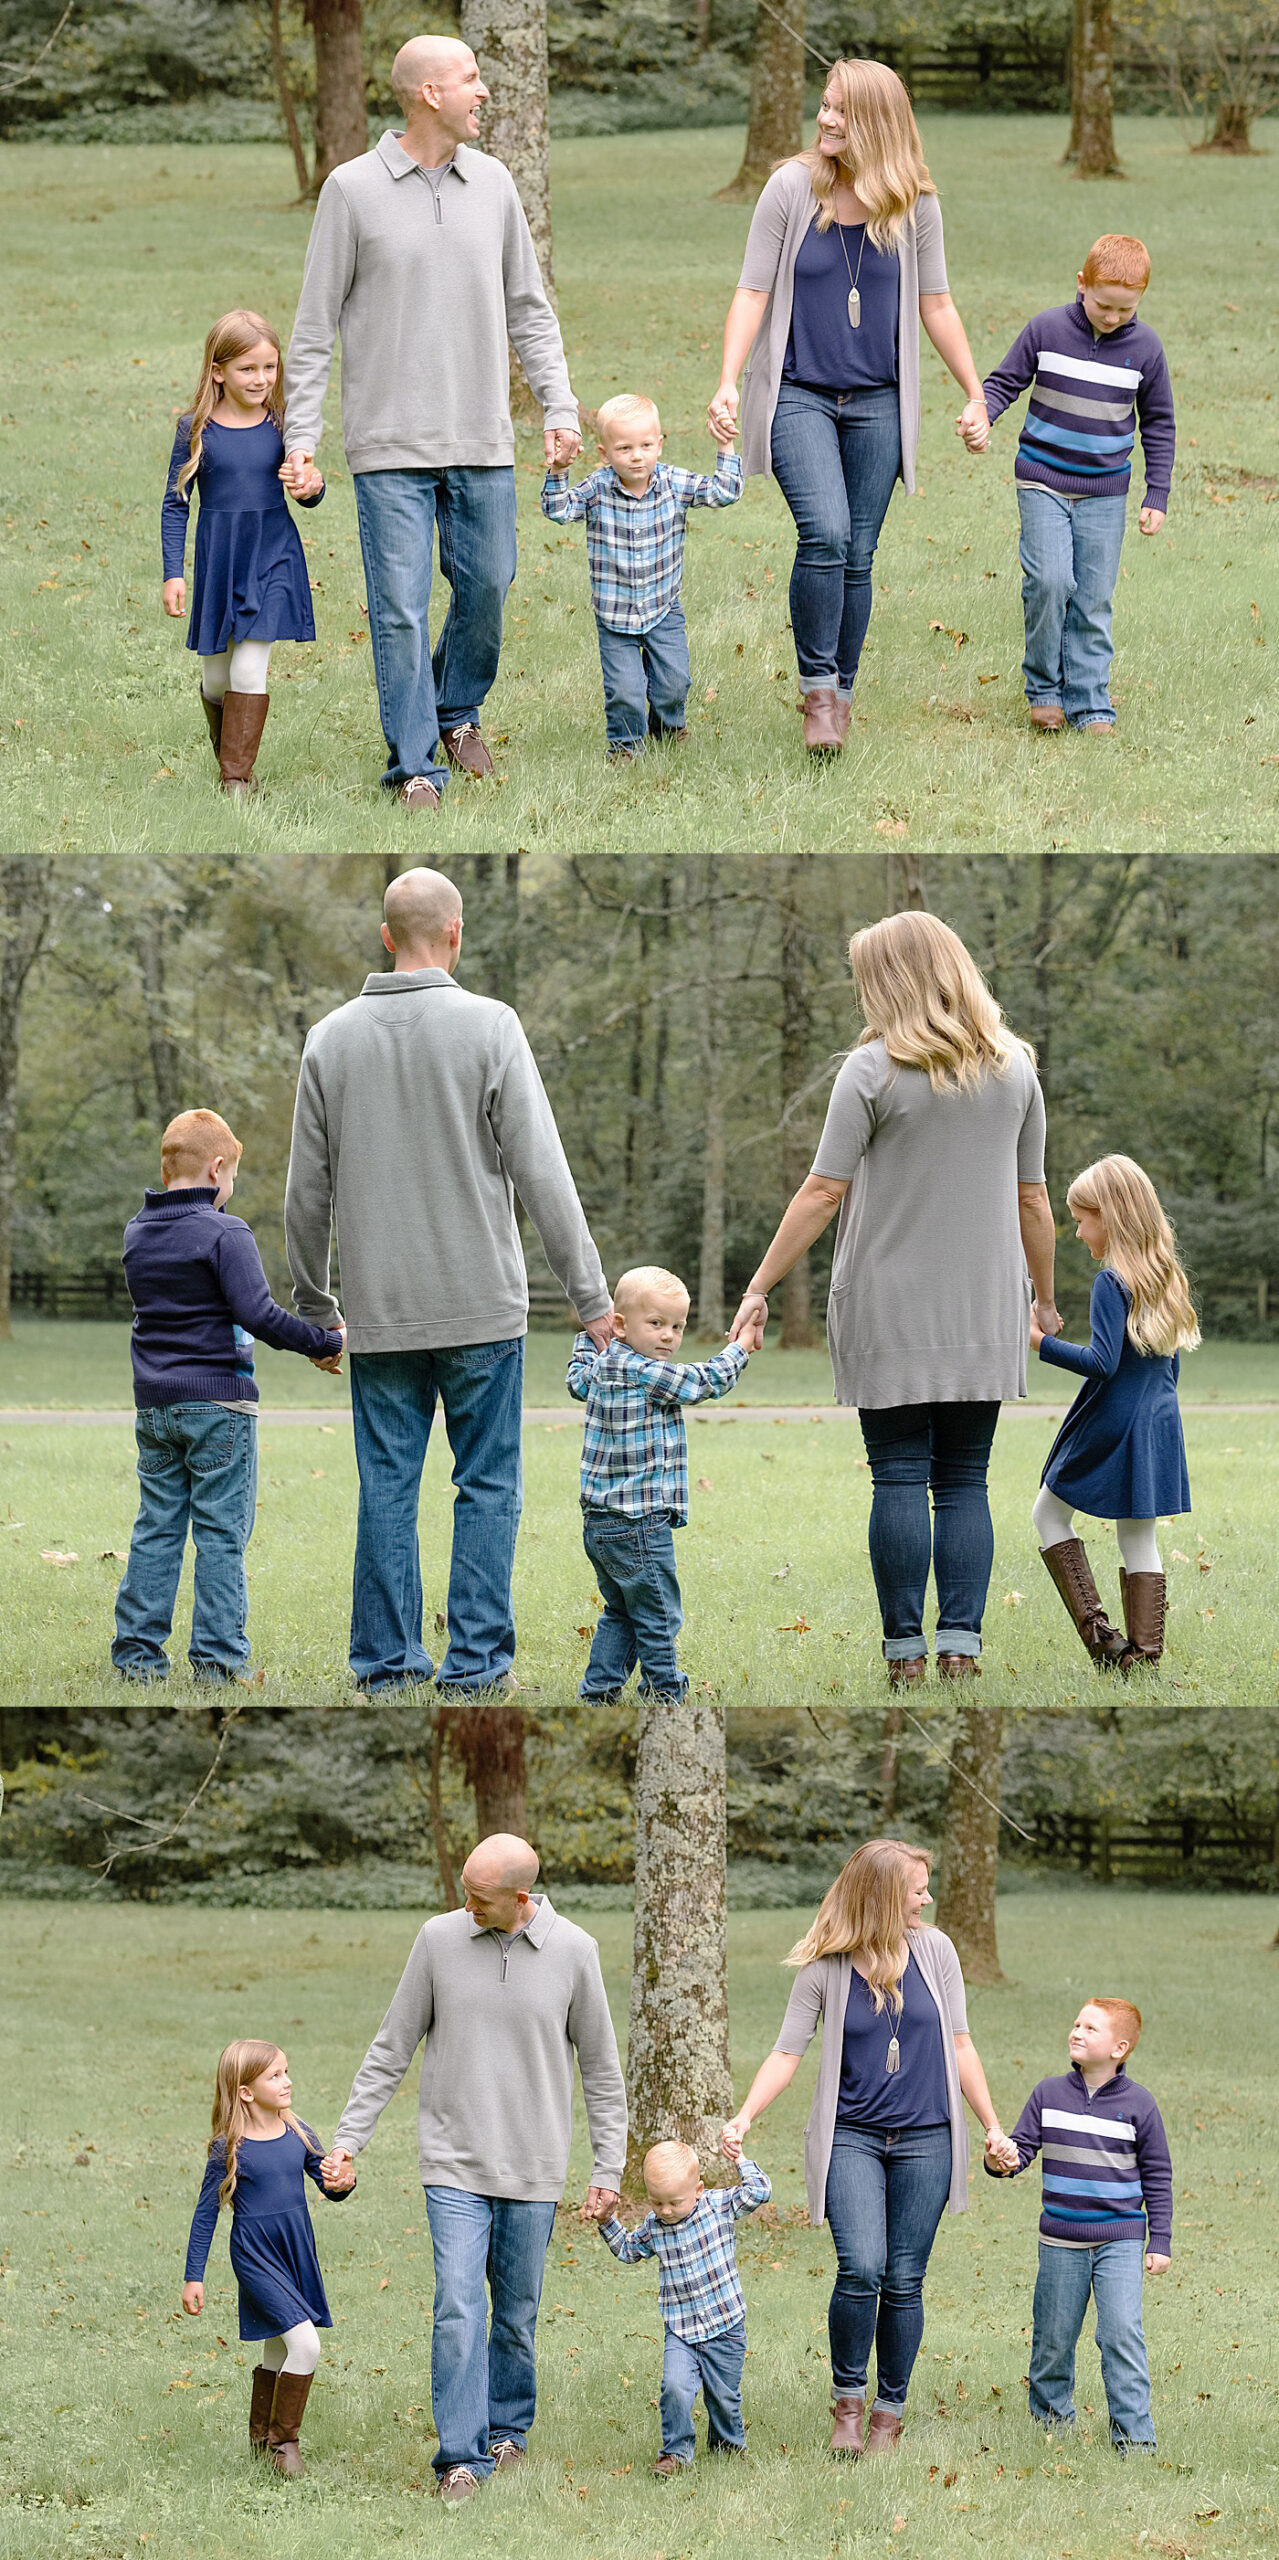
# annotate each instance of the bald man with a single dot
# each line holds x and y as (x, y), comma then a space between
(505, 1993)
(421, 261)
(420, 1119)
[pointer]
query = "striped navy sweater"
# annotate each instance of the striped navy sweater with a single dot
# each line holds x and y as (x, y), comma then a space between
(1088, 393)
(1107, 2167)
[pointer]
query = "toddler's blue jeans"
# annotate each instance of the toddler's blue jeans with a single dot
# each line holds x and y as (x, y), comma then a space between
(1112, 2273)
(634, 1564)
(646, 679)
(1069, 563)
(197, 1464)
(713, 2366)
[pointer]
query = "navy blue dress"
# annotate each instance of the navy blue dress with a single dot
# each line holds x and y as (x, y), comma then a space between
(272, 2246)
(250, 569)
(1119, 1454)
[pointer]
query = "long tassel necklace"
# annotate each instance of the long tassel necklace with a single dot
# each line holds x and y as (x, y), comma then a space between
(855, 322)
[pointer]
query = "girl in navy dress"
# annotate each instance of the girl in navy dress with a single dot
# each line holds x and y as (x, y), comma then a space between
(251, 585)
(259, 2155)
(1119, 1454)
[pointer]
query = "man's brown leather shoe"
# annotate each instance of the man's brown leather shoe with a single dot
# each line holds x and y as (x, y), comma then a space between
(849, 2433)
(1047, 715)
(883, 2435)
(465, 748)
(823, 731)
(419, 793)
(666, 2466)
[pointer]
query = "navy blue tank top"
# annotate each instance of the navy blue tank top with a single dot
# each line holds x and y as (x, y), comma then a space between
(822, 351)
(915, 2094)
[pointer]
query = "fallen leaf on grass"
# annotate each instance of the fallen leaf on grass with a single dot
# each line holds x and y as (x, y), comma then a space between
(113, 1555)
(1178, 1557)
(1013, 1599)
(988, 679)
(384, 2283)
(892, 826)
(959, 637)
(797, 1627)
(57, 1555)
(704, 1485)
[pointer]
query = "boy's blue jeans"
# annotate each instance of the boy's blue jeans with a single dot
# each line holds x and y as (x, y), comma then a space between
(885, 2195)
(915, 1449)
(1112, 2273)
(197, 1464)
(483, 2376)
(634, 1563)
(1069, 564)
(420, 692)
(836, 458)
(646, 679)
(393, 1399)
(713, 2366)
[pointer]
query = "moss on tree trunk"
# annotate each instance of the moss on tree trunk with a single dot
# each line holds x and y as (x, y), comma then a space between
(508, 39)
(776, 126)
(969, 1864)
(678, 2079)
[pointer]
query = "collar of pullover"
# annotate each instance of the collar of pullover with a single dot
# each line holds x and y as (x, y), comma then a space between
(176, 1204)
(397, 982)
(1116, 2082)
(537, 1930)
(392, 154)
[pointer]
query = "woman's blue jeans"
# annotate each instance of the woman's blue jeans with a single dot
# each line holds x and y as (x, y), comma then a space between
(197, 1467)
(836, 460)
(885, 2195)
(421, 691)
(483, 2375)
(915, 1450)
(1069, 555)
(1112, 2273)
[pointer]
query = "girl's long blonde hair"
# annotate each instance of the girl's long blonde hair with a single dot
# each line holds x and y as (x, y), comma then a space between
(1141, 1247)
(229, 337)
(924, 996)
(864, 1915)
(239, 2065)
(882, 157)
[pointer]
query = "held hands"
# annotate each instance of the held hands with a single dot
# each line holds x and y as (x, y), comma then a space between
(600, 2203)
(562, 444)
(748, 1324)
(1002, 2154)
(973, 425)
(1044, 1319)
(332, 1360)
(600, 1329)
(1150, 521)
(1156, 2263)
(193, 2298)
(175, 597)
(337, 2168)
(734, 2135)
(299, 474)
(721, 417)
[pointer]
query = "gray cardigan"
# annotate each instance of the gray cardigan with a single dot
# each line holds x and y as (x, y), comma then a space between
(821, 1989)
(782, 216)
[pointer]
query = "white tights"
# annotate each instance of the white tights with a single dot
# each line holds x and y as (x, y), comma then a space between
(1138, 1549)
(297, 2351)
(240, 669)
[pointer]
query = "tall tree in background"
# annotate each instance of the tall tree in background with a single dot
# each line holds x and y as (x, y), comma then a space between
(797, 1287)
(508, 39)
(776, 126)
(341, 110)
(678, 2079)
(1094, 153)
(26, 905)
(969, 1864)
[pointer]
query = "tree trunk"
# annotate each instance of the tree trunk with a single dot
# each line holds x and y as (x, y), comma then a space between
(1078, 26)
(25, 904)
(797, 1296)
(489, 1741)
(969, 1864)
(1096, 154)
(508, 39)
(1232, 131)
(678, 2078)
(166, 1057)
(776, 127)
(710, 1284)
(890, 1744)
(703, 26)
(341, 110)
(284, 92)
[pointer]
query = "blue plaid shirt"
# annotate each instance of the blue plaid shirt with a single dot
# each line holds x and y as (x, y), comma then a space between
(635, 546)
(635, 1448)
(699, 2292)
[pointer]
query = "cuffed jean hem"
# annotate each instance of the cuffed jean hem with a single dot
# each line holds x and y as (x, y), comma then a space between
(905, 1648)
(958, 1640)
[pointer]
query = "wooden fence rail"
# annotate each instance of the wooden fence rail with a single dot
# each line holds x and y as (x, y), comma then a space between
(1162, 1849)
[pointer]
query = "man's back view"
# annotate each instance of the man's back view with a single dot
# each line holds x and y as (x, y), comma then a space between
(420, 1116)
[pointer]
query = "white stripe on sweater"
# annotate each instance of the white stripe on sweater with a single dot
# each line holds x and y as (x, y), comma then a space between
(1066, 2121)
(1126, 376)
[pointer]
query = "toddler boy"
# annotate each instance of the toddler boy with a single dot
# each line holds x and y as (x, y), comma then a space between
(1090, 365)
(635, 1476)
(691, 2235)
(199, 1296)
(1107, 2175)
(636, 510)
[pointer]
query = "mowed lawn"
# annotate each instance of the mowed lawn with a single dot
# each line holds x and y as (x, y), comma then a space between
(117, 260)
(124, 2423)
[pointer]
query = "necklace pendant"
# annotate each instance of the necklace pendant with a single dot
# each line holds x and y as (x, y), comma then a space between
(893, 2058)
(854, 308)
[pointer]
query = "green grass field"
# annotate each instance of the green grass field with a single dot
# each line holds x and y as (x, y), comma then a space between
(117, 259)
(124, 2424)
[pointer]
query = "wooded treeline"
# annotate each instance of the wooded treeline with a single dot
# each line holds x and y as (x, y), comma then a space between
(688, 1016)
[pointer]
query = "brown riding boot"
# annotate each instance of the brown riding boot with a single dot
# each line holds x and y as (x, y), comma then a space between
(1145, 1605)
(290, 2395)
(243, 721)
(850, 2422)
(1068, 1567)
(264, 2381)
(884, 2432)
(213, 714)
(824, 730)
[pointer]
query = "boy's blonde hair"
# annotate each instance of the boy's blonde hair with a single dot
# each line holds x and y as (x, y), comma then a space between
(1141, 1246)
(622, 409)
(1124, 2016)
(864, 1914)
(923, 995)
(646, 1276)
(671, 2160)
(1117, 258)
(191, 1139)
(882, 152)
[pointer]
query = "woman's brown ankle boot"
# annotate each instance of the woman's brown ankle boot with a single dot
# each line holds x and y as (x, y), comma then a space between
(1068, 1567)
(1145, 1606)
(260, 2407)
(848, 2438)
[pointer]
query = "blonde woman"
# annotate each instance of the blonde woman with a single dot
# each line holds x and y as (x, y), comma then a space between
(932, 1158)
(843, 261)
(886, 2148)
(1119, 1454)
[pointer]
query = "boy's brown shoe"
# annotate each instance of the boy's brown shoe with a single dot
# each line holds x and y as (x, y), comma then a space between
(667, 2464)
(1047, 715)
(849, 2437)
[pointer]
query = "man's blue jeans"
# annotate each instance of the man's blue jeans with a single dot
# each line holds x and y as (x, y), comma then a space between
(836, 459)
(1069, 564)
(634, 1563)
(197, 1463)
(914, 1449)
(1112, 2273)
(646, 679)
(885, 2195)
(483, 2376)
(393, 1397)
(420, 693)
(713, 2366)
